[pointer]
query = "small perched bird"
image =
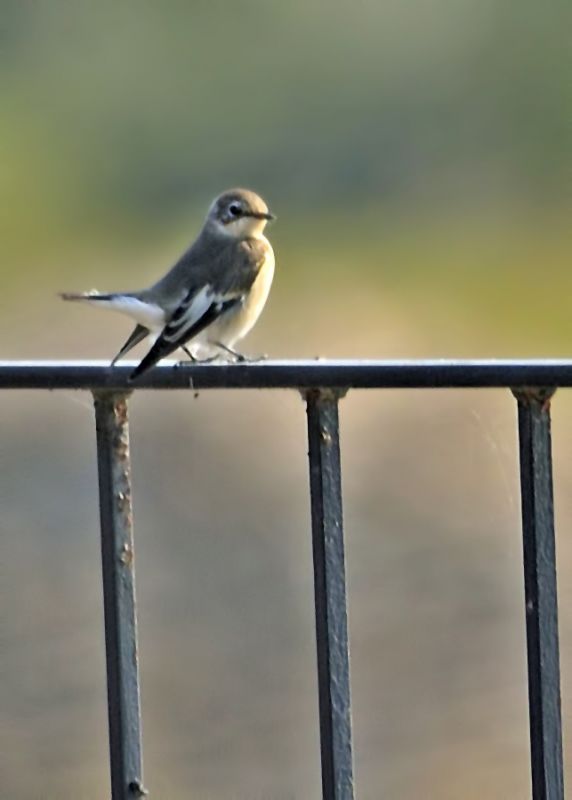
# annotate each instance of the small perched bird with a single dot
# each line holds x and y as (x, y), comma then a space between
(213, 295)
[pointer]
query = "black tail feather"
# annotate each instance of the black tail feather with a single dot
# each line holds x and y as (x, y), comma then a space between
(139, 333)
(86, 296)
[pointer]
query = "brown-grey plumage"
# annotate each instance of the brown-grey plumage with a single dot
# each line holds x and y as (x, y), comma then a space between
(214, 293)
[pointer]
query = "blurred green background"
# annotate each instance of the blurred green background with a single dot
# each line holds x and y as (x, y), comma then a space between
(418, 156)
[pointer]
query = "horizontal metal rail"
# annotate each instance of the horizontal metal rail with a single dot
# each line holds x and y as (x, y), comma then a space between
(435, 374)
(322, 383)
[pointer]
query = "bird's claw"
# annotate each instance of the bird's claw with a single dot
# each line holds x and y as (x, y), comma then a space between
(240, 358)
(195, 360)
(226, 354)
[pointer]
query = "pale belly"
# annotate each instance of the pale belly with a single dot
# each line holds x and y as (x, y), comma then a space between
(235, 324)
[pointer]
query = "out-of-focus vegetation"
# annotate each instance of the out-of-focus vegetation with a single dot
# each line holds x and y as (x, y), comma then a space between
(418, 156)
(422, 149)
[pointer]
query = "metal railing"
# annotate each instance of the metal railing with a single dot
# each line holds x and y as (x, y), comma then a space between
(322, 383)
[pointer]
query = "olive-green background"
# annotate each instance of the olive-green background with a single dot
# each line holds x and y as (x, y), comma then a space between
(418, 156)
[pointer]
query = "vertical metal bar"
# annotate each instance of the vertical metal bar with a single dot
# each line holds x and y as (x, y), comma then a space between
(117, 556)
(330, 596)
(540, 593)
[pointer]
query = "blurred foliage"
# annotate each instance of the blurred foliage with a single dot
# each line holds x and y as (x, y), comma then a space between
(429, 143)
(140, 109)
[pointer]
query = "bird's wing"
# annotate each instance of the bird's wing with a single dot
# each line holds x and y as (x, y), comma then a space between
(230, 281)
(186, 322)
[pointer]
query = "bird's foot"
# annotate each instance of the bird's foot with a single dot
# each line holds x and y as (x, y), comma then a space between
(240, 358)
(253, 359)
(195, 360)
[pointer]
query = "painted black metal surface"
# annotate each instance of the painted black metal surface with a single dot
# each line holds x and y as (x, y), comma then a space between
(119, 596)
(330, 596)
(287, 374)
(322, 383)
(540, 594)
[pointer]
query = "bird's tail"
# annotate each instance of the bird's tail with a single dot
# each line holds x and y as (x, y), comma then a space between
(92, 295)
(140, 333)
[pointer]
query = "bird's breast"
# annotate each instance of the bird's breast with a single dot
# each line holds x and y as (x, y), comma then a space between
(260, 290)
(239, 321)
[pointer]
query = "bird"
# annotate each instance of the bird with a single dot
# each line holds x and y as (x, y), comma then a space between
(213, 295)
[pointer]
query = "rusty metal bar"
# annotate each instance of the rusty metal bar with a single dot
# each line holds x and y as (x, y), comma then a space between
(540, 593)
(110, 386)
(118, 565)
(330, 596)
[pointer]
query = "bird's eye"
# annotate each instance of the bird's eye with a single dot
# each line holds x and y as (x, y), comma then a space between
(235, 210)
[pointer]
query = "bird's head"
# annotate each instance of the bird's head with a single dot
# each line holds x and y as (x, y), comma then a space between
(239, 213)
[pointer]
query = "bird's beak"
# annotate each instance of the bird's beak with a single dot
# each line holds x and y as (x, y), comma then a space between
(263, 215)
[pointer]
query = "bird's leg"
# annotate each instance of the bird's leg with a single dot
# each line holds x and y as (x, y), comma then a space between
(240, 357)
(186, 350)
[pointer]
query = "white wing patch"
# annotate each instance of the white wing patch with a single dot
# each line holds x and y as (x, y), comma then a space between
(188, 313)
